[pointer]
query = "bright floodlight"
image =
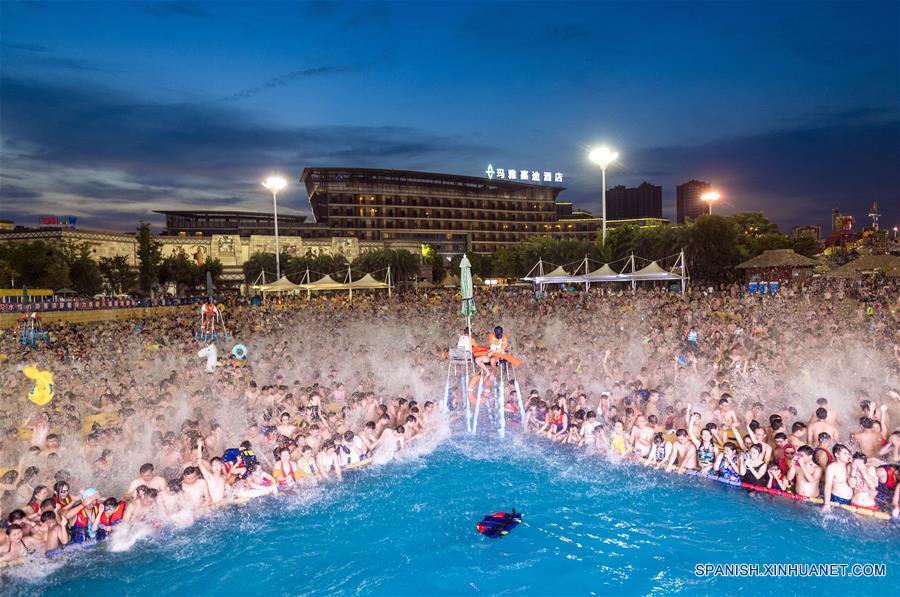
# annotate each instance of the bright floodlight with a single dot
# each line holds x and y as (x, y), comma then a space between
(275, 183)
(711, 196)
(603, 156)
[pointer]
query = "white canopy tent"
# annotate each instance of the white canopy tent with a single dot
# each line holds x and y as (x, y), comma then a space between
(367, 282)
(605, 273)
(282, 285)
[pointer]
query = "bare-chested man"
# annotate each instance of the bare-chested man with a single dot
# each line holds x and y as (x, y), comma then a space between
(143, 507)
(836, 488)
(805, 473)
(195, 489)
(821, 425)
(684, 453)
(147, 477)
(868, 438)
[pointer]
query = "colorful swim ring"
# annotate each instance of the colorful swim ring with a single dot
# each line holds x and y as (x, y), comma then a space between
(239, 352)
(42, 392)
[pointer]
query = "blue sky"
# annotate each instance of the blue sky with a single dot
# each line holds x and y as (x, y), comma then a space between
(110, 110)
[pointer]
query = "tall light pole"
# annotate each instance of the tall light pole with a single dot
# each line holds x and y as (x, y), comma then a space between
(275, 184)
(709, 198)
(603, 157)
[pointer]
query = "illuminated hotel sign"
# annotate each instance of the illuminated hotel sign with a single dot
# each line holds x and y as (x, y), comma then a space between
(523, 175)
(62, 221)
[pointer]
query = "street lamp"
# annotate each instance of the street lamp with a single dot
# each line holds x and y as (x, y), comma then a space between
(603, 157)
(709, 198)
(275, 184)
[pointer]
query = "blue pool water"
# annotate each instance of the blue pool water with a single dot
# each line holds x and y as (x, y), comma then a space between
(408, 528)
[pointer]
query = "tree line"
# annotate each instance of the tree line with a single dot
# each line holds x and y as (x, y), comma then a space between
(713, 246)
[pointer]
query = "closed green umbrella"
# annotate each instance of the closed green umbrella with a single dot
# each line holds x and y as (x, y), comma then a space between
(468, 290)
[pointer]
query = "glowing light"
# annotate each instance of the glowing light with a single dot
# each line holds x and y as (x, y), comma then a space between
(275, 183)
(711, 196)
(603, 156)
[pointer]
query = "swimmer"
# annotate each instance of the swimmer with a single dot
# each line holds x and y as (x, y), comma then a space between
(50, 534)
(805, 473)
(684, 453)
(18, 547)
(286, 472)
(821, 425)
(147, 477)
(837, 488)
(195, 488)
(214, 474)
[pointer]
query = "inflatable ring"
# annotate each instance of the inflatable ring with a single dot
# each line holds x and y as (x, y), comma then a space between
(42, 392)
(239, 352)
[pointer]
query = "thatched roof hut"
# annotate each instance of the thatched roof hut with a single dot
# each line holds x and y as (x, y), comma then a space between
(782, 265)
(868, 264)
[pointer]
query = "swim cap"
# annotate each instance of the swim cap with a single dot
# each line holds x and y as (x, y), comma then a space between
(90, 491)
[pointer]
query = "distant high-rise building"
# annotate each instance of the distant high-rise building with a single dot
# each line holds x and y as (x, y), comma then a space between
(643, 201)
(689, 203)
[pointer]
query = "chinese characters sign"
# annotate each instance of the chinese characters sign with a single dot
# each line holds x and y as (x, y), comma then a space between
(523, 175)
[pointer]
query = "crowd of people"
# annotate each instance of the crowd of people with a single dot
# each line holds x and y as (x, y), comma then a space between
(793, 393)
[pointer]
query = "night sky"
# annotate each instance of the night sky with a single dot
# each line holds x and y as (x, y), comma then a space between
(111, 110)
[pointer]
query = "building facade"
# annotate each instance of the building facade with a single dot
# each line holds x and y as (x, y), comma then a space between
(360, 209)
(689, 204)
(454, 213)
(643, 201)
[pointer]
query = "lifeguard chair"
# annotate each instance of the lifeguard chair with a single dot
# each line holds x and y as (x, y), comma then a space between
(211, 326)
(460, 365)
(32, 331)
(504, 373)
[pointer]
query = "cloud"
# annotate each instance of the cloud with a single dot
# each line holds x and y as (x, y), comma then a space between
(177, 9)
(107, 157)
(288, 78)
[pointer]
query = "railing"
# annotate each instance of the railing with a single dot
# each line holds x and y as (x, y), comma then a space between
(95, 304)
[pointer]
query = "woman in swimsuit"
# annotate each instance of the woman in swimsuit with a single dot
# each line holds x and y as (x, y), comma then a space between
(726, 463)
(285, 472)
(16, 547)
(753, 467)
(660, 452)
(706, 449)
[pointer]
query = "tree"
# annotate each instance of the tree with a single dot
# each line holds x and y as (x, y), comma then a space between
(257, 263)
(712, 250)
(432, 258)
(7, 273)
(214, 267)
(805, 245)
(404, 265)
(39, 265)
(85, 275)
(118, 273)
(180, 270)
(150, 257)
